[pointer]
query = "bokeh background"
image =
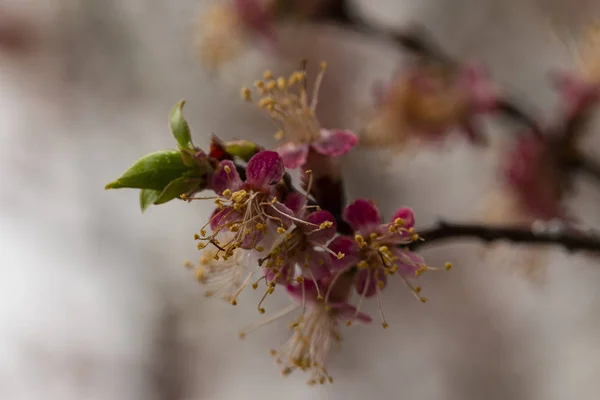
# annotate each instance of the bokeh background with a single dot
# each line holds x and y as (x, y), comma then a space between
(95, 301)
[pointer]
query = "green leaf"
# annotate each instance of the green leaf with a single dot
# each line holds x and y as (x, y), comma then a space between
(148, 197)
(174, 190)
(153, 171)
(179, 126)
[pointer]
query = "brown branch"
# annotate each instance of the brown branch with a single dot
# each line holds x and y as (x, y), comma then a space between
(445, 231)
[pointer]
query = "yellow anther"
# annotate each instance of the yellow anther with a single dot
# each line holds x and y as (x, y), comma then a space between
(323, 65)
(268, 74)
(233, 302)
(327, 307)
(385, 325)
(227, 192)
(423, 300)
(273, 352)
(254, 285)
(280, 230)
(363, 264)
(237, 206)
(203, 232)
(201, 246)
(261, 310)
(448, 266)
(392, 229)
(196, 236)
(383, 249)
(414, 237)
(348, 323)
(246, 94)
(399, 222)
(281, 83)
(373, 236)
(200, 274)
(300, 279)
(417, 289)
(359, 239)
(279, 135)
(259, 84)
(216, 257)
(270, 85)
(260, 249)
(265, 101)
(380, 284)
(325, 225)
(340, 255)
(234, 227)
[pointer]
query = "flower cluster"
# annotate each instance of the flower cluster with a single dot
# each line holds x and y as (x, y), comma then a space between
(287, 241)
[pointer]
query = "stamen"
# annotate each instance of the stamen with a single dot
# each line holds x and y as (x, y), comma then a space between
(282, 313)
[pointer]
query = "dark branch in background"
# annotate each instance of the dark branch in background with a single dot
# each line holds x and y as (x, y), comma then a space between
(452, 231)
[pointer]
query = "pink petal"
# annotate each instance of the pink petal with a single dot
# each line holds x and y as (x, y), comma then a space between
(367, 281)
(348, 247)
(407, 215)
(254, 15)
(223, 180)
(280, 214)
(310, 290)
(577, 92)
(362, 215)
(222, 216)
(347, 312)
(295, 201)
(293, 155)
(264, 169)
(335, 143)
(316, 235)
(408, 262)
(314, 264)
(484, 95)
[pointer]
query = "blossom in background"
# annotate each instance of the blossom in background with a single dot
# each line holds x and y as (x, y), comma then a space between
(315, 330)
(534, 177)
(223, 29)
(375, 251)
(286, 102)
(427, 101)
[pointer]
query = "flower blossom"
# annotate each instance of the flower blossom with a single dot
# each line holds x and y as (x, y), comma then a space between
(224, 28)
(533, 175)
(304, 246)
(428, 101)
(286, 102)
(315, 331)
(375, 251)
(247, 212)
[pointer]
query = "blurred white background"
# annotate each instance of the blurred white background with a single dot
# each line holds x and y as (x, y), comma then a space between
(96, 303)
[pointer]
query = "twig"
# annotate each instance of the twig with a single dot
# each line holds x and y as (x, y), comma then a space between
(450, 231)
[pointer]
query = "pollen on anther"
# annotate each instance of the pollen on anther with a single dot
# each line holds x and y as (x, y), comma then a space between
(261, 310)
(279, 135)
(233, 302)
(384, 325)
(227, 192)
(227, 169)
(448, 266)
(280, 230)
(246, 94)
(340, 255)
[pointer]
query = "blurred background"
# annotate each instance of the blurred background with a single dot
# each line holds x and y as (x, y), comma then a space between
(96, 303)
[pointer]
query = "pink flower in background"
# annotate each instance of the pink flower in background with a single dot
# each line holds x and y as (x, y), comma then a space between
(535, 178)
(287, 103)
(426, 102)
(578, 94)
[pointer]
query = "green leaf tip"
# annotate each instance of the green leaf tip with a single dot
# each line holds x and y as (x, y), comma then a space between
(147, 198)
(153, 171)
(179, 126)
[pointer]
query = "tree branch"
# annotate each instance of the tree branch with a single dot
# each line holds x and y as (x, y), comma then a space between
(451, 231)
